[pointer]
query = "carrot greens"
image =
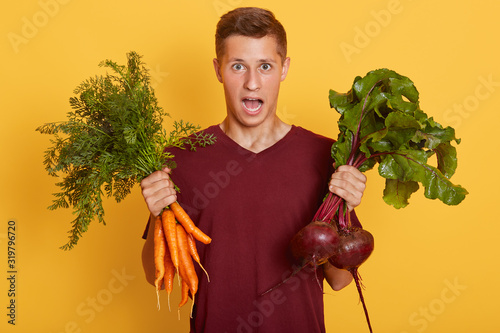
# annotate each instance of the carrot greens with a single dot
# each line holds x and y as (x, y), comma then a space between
(113, 138)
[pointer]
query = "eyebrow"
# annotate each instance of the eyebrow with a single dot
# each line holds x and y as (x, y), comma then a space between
(265, 60)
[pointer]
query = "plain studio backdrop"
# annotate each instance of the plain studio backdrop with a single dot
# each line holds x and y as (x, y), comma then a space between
(433, 269)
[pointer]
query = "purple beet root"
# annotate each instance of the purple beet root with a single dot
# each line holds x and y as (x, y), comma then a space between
(353, 250)
(355, 246)
(314, 243)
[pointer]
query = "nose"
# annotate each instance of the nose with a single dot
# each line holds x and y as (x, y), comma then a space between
(252, 80)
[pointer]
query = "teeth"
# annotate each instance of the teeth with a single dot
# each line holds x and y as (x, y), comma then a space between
(252, 109)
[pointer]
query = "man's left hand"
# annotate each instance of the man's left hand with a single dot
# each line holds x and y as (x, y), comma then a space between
(348, 183)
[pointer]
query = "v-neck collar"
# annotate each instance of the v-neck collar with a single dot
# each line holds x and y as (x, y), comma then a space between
(224, 138)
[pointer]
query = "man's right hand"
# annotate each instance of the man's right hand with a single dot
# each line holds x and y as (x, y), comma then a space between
(158, 191)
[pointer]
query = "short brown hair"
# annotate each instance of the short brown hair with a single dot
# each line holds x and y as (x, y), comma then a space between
(250, 22)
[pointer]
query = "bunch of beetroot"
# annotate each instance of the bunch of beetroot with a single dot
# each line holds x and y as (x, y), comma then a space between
(381, 122)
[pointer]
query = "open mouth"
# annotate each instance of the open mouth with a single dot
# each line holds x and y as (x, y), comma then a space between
(252, 105)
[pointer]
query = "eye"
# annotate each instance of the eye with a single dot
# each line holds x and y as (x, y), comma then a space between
(238, 67)
(265, 67)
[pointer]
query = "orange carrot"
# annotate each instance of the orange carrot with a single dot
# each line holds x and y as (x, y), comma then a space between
(184, 293)
(186, 266)
(159, 255)
(184, 297)
(194, 253)
(169, 225)
(188, 224)
(169, 275)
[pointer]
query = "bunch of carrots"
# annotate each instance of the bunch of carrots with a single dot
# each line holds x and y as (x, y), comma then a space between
(174, 252)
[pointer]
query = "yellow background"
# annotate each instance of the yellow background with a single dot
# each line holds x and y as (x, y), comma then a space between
(434, 268)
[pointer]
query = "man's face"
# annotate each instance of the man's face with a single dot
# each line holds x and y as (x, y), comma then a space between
(251, 71)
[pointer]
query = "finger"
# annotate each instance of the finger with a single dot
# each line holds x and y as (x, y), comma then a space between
(352, 200)
(160, 188)
(162, 202)
(160, 199)
(155, 177)
(158, 191)
(348, 181)
(352, 171)
(348, 187)
(347, 192)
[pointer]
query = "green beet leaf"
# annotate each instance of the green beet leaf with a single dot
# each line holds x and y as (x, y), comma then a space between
(381, 122)
(397, 193)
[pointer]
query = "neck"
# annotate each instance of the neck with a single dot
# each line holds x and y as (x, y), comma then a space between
(258, 138)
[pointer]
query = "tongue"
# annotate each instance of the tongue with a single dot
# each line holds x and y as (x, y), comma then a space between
(251, 104)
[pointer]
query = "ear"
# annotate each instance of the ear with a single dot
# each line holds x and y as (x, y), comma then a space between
(217, 69)
(286, 66)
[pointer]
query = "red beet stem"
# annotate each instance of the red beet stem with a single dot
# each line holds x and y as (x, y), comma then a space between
(357, 280)
(343, 220)
(328, 208)
(295, 272)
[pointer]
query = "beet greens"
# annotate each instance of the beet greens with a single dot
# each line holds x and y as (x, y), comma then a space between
(381, 122)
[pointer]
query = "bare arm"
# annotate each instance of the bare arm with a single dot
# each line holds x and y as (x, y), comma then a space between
(158, 192)
(348, 183)
(148, 254)
(336, 278)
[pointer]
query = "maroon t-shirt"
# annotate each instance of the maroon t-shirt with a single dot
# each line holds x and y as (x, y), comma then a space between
(251, 205)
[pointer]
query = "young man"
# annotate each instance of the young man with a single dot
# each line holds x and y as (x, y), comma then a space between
(253, 191)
